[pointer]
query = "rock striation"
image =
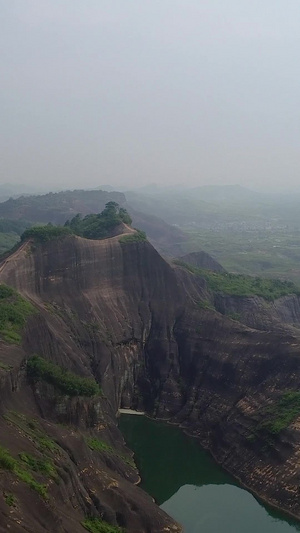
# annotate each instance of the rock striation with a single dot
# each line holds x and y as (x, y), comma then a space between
(117, 312)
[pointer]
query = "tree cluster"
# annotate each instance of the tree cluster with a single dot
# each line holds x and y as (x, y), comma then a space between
(99, 226)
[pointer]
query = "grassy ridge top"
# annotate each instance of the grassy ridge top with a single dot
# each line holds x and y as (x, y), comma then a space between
(138, 236)
(241, 285)
(99, 226)
(93, 226)
(45, 233)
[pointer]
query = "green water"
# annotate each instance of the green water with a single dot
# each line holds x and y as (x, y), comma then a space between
(187, 483)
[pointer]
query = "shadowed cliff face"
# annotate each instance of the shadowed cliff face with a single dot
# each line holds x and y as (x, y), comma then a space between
(94, 318)
(119, 312)
(257, 313)
(112, 299)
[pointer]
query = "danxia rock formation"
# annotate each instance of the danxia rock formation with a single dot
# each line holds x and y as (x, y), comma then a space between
(116, 312)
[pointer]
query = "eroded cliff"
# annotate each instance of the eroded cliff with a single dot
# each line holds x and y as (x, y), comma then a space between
(119, 313)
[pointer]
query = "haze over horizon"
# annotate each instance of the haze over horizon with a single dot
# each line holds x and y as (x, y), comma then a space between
(131, 93)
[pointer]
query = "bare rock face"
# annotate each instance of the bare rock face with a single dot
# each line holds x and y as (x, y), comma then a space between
(118, 312)
(202, 260)
(257, 313)
(94, 319)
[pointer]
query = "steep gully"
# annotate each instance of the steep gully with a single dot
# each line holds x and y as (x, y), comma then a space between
(119, 312)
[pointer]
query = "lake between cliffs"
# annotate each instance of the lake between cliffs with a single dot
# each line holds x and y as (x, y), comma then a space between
(187, 483)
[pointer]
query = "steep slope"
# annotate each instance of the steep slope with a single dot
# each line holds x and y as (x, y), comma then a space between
(258, 313)
(118, 312)
(94, 472)
(202, 260)
(268, 305)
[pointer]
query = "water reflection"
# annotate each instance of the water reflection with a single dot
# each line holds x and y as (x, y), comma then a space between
(223, 508)
(187, 483)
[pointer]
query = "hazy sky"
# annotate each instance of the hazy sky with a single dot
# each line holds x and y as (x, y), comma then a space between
(139, 91)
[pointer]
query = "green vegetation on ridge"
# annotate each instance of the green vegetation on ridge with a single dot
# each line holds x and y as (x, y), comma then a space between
(93, 226)
(64, 381)
(240, 285)
(100, 225)
(139, 236)
(45, 233)
(14, 311)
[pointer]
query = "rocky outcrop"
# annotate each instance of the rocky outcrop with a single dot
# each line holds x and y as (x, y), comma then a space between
(62, 433)
(118, 312)
(255, 312)
(202, 260)
(84, 325)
